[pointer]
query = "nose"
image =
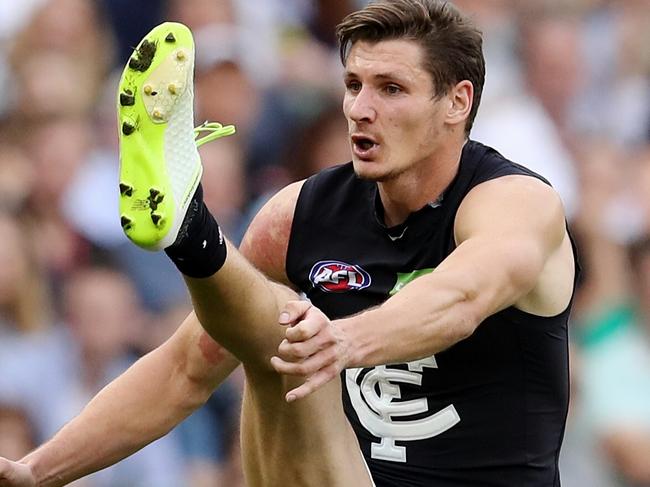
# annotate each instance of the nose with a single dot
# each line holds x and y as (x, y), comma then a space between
(360, 106)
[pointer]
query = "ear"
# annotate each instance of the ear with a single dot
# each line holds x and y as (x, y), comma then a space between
(460, 102)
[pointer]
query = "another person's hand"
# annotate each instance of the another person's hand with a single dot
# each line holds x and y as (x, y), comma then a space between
(15, 474)
(314, 348)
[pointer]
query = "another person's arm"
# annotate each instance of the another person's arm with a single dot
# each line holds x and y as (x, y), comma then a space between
(239, 304)
(510, 233)
(140, 406)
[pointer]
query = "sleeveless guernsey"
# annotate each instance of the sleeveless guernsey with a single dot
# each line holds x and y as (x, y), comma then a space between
(489, 411)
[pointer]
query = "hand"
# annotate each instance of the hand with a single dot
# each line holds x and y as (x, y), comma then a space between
(15, 474)
(314, 348)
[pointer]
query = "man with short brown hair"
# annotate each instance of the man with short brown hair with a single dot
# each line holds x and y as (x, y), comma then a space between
(428, 252)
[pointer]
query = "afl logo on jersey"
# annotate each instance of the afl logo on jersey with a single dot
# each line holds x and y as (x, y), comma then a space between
(333, 276)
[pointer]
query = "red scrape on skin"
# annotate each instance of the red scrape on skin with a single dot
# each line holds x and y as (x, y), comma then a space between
(211, 350)
(268, 239)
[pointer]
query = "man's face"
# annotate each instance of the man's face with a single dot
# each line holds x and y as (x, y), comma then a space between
(395, 123)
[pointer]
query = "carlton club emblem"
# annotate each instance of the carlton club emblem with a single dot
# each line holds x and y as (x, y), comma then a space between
(376, 397)
(334, 276)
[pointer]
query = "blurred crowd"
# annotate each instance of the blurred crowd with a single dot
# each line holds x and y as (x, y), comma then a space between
(567, 94)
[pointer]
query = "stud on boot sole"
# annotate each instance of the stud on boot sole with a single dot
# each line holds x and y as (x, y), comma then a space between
(128, 128)
(143, 56)
(155, 198)
(126, 190)
(126, 222)
(127, 98)
(157, 219)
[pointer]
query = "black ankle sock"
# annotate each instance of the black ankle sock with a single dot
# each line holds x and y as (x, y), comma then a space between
(200, 249)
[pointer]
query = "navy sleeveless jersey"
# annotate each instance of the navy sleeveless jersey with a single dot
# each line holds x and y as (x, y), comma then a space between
(489, 411)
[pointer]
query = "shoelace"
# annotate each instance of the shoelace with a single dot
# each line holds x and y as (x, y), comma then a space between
(214, 130)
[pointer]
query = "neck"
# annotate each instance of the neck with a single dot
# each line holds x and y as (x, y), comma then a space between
(418, 186)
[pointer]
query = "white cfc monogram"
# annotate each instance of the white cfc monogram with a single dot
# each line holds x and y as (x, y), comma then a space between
(374, 398)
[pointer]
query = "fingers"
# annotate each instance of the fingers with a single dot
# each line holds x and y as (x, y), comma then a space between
(308, 337)
(309, 350)
(311, 325)
(294, 352)
(308, 367)
(293, 311)
(316, 381)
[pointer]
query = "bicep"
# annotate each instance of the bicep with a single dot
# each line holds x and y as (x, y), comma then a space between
(505, 230)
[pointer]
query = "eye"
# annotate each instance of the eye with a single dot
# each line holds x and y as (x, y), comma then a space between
(393, 89)
(353, 85)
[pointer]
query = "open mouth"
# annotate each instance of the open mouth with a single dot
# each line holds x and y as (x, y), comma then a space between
(363, 143)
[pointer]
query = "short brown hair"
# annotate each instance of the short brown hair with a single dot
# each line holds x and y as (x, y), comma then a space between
(453, 45)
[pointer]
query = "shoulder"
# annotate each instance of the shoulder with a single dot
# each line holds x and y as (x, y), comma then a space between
(266, 241)
(514, 203)
(516, 229)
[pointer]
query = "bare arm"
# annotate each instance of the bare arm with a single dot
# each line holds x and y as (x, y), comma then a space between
(140, 406)
(238, 305)
(507, 231)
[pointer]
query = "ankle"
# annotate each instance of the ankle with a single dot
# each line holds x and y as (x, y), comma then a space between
(200, 248)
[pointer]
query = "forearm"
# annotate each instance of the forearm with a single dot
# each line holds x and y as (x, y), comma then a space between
(140, 406)
(437, 310)
(414, 324)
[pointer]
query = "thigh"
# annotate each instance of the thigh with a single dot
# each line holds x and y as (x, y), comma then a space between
(308, 442)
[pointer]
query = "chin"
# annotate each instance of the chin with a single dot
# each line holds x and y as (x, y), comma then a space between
(369, 170)
(373, 171)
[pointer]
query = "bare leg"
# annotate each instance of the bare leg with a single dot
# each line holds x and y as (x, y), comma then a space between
(308, 442)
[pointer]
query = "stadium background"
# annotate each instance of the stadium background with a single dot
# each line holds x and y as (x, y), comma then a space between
(567, 93)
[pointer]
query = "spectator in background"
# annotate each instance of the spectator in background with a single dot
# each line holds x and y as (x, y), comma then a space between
(89, 194)
(24, 318)
(320, 143)
(16, 177)
(57, 148)
(224, 183)
(24, 305)
(59, 62)
(57, 376)
(613, 407)
(550, 46)
(616, 105)
(225, 92)
(248, 32)
(16, 432)
(60, 59)
(519, 108)
(224, 88)
(327, 15)
(66, 87)
(129, 21)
